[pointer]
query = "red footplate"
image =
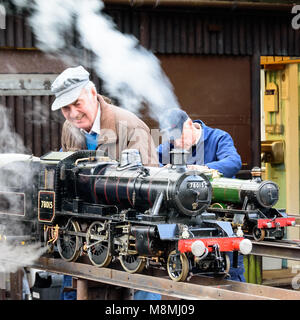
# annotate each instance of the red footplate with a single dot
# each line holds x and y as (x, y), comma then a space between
(225, 244)
(281, 222)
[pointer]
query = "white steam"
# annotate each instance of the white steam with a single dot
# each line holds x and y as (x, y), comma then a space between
(129, 72)
(9, 140)
(39, 114)
(13, 257)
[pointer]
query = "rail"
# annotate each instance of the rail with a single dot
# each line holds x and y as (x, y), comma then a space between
(199, 288)
(284, 249)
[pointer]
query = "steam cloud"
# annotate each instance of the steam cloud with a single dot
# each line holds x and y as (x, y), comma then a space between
(13, 257)
(9, 140)
(129, 72)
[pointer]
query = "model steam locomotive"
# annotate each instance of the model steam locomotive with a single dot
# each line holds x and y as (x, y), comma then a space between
(249, 205)
(83, 203)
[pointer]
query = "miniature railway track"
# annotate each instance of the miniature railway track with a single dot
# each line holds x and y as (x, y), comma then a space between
(284, 249)
(199, 288)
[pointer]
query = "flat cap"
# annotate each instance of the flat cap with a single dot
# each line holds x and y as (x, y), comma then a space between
(172, 122)
(68, 85)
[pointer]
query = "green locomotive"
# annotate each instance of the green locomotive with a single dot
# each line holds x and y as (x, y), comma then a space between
(249, 205)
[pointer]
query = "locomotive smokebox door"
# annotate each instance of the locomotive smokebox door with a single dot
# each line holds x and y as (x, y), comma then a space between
(46, 206)
(192, 193)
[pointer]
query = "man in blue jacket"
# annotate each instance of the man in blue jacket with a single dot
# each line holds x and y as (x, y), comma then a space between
(208, 147)
(212, 148)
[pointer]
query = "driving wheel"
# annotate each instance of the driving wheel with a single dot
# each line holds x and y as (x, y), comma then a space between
(68, 244)
(177, 266)
(258, 234)
(97, 242)
(132, 263)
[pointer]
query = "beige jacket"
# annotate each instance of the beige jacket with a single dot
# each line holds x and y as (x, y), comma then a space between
(119, 130)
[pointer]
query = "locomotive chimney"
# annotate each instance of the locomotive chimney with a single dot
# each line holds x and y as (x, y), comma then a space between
(178, 158)
(130, 157)
(256, 173)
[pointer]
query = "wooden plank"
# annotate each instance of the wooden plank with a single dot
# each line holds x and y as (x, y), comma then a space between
(255, 110)
(170, 37)
(161, 35)
(45, 123)
(191, 34)
(135, 24)
(263, 38)
(220, 37)
(144, 30)
(16, 285)
(292, 146)
(227, 36)
(183, 34)
(153, 33)
(242, 36)
(280, 277)
(292, 140)
(198, 288)
(10, 28)
(249, 35)
(19, 27)
(20, 127)
(29, 125)
(235, 38)
(199, 36)
(284, 37)
(206, 37)
(37, 130)
(277, 39)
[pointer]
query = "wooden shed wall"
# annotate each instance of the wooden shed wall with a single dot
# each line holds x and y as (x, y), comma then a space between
(188, 31)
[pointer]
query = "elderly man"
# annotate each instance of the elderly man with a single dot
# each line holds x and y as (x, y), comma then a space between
(212, 148)
(208, 147)
(92, 123)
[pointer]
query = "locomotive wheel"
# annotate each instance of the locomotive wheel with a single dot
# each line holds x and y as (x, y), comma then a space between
(280, 235)
(227, 263)
(99, 253)
(132, 263)
(178, 266)
(258, 234)
(68, 245)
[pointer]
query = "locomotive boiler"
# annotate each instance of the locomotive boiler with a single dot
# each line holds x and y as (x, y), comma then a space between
(250, 205)
(83, 203)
